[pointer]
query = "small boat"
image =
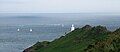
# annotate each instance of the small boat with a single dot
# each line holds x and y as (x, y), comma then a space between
(31, 30)
(18, 29)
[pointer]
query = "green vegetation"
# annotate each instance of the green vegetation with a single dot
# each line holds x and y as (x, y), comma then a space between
(85, 39)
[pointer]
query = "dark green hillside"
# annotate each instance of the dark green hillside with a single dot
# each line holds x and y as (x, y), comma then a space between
(110, 44)
(85, 39)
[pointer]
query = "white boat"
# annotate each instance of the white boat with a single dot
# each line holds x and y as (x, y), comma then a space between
(18, 29)
(31, 30)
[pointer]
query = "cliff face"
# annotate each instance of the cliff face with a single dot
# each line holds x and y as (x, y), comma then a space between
(85, 39)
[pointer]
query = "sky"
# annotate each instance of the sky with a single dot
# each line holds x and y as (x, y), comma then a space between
(59, 6)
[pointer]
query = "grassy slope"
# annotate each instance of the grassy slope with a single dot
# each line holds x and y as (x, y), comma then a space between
(78, 40)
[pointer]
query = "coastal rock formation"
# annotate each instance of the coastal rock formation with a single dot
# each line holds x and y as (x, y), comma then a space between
(85, 39)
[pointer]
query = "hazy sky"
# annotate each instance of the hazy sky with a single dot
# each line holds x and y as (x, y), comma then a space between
(59, 6)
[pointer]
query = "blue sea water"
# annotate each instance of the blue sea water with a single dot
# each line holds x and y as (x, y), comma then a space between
(12, 40)
(46, 27)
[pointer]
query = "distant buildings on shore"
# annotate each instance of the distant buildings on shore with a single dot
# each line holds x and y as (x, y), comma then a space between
(29, 30)
(72, 28)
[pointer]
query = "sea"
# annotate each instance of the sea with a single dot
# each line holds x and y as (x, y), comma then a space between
(46, 27)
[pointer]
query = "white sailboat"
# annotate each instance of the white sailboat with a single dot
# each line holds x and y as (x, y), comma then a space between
(18, 29)
(31, 30)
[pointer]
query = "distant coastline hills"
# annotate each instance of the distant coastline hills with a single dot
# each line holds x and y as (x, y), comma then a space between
(85, 39)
